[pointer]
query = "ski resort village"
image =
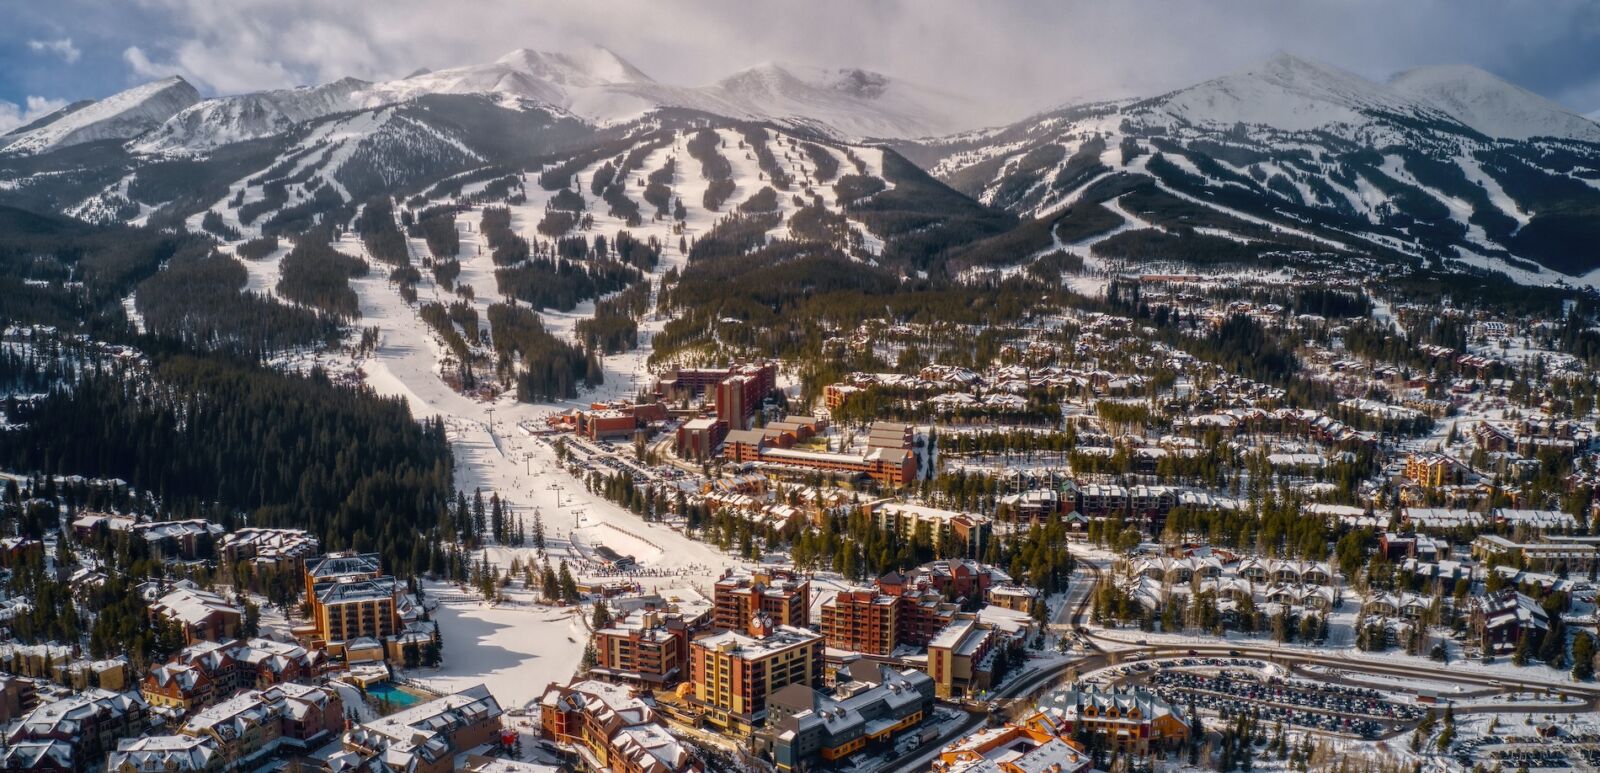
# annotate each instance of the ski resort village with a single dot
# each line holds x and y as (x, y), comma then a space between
(539, 415)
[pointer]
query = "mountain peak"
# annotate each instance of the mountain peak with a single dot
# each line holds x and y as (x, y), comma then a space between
(1286, 92)
(591, 66)
(1490, 104)
(1284, 61)
(123, 115)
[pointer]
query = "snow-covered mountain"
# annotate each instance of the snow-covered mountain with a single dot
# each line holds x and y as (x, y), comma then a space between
(594, 84)
(598, 85)
(1442, 166)
(1285, 92)
(1491, 105)
(556, 79)
(1292, 94)
(214, 122)
(1448, 166)
(123, 115)
(853, 101)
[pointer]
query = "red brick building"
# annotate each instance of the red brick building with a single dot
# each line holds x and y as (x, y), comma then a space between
(648, 648)
(783, 596)
(898, 612)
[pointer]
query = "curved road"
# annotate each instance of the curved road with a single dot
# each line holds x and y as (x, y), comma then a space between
(1069, 619)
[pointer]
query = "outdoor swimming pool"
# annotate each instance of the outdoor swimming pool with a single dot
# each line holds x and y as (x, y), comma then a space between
(395, 695)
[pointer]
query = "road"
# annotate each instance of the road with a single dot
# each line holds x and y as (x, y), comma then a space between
(1069, 618)
(1018, 692)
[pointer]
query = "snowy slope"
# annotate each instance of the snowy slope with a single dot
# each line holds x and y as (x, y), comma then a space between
(594, 84)
(50, 117)
(1491, 105)
(600, 86)
(552, 78)
(855, 102)
(1289, 144)
(219, 121)
(120, 116)
(1284, 92)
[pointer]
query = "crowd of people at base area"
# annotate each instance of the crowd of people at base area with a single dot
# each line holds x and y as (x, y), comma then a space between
(1361, 711)
(639, 571)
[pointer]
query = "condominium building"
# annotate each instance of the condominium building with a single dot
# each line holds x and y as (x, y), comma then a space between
(204, 673)
(365, 609)
(877, 704)
(781, 595)
(1501, 620)
(892, 467)
(1036, 744)
(961, 658)
(80, 728)
(340, 567)
(202, 615)
(862, 620)
(647, 648)
(1576, 557)
(166, 753)
(733, 674)
(427, 737)
(1131, 721)
(1433, 470)
(256, 723)
(611, 730)
(352, 601)
(876, 621)
(969, 531)
(284, 550)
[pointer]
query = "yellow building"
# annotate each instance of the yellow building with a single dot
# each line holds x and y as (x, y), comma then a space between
(959, 658)
(352, 599)
(732, 674)
(1432, 470)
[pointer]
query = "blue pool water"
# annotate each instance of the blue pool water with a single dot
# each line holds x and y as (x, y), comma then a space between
(397, 697)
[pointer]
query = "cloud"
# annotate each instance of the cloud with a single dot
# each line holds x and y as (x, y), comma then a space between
(141, 65)
(13, 115)
(1022, 55)
(61, 47)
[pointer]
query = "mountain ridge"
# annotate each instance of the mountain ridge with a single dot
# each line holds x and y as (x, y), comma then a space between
(124, 115)
(1492, 105)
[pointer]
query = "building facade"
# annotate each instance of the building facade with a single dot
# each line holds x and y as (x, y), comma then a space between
(733, 675)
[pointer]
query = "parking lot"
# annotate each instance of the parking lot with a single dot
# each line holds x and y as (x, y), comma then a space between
(1531, 751)
(1330, 708)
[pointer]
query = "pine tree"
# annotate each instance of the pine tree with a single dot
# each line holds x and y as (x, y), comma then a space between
(569, 586)
(1553, 645)
(479, 519)
(1583, 652)
(550, 585)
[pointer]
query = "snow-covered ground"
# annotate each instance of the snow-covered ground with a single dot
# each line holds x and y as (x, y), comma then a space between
(517, 647)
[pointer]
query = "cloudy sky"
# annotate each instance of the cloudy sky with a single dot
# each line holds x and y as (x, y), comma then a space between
(1019, 55)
